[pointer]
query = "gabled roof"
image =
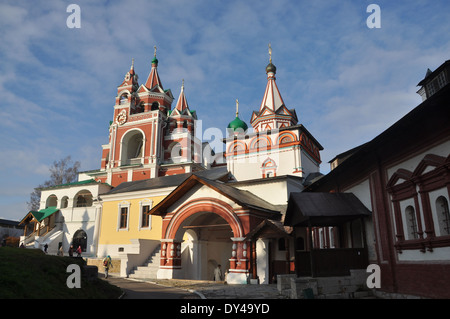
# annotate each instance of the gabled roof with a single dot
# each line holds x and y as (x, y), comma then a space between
(241, 197)
(323, 209)
(41, 215)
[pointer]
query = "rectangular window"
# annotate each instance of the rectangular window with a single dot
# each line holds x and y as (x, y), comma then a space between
(145, 216)
(123, 217)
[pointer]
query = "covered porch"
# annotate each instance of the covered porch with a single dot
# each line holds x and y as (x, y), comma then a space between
(37, 224)
(333, 224)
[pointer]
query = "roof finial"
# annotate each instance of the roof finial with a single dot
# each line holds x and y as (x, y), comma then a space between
(237, 107)
(155, 51)
(182, 85)
(132, 63)
(270, 53)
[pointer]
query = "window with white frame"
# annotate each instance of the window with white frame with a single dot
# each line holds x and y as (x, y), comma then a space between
(123, 216)
(145, 219)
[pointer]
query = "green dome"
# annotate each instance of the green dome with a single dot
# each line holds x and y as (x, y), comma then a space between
(155, 60)
(237, 123)
(271, 68)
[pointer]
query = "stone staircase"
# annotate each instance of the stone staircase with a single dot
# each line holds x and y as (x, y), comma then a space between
(149, 269)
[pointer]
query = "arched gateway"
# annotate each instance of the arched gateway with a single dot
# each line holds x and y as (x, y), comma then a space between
(202, 229)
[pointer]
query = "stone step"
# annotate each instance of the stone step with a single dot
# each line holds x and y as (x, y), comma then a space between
(149, 269)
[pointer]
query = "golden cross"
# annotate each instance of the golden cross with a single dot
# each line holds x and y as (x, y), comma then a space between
(270, 53)
(237, 107)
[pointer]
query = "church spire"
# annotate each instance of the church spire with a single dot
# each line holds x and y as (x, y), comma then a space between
(272, 113)
(272, 98)
(153, 78)
(182, 102)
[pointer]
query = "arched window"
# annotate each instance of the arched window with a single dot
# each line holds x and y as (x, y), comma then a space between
(269, 168)
(140, 107)
(286, 139)
(83, 199)
(411, 223)
(443, 215)
(299, 243)
(155, 106)
(52, 201)
(176, 152)
(132, 146)
(64, 202)
(123, 99)
(260, 143)
(237, 147)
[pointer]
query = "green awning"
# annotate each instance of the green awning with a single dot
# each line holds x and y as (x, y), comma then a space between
(44, 213)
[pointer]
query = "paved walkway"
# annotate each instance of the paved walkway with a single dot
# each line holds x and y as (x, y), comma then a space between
(133, 289)
(192, 289)
(220, 290)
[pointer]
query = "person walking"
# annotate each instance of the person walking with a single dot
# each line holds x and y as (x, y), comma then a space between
(71, 251)
(107, 263)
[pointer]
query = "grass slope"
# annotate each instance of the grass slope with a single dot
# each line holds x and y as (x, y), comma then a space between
(30, 274)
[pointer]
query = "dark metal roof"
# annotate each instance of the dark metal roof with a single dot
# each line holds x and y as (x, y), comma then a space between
(423, 125)
(323, 209)
(166, 181)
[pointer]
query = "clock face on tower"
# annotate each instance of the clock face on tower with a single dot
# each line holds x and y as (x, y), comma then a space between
(121, 117)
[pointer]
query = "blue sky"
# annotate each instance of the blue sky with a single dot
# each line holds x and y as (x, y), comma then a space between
(347, 82)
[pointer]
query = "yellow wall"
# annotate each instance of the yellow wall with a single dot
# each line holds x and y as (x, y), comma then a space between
(109, 233)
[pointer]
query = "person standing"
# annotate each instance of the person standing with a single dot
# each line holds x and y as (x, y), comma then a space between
(107, 263)
(79, 251)
(218, 276)
(71, 251)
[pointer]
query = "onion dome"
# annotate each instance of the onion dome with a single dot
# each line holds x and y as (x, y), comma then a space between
(237, 124)
(270, 68)
(155, 60)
